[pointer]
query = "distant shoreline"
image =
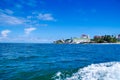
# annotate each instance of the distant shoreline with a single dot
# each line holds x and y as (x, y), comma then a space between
(87, 43)
(103, 43)
(61, 43)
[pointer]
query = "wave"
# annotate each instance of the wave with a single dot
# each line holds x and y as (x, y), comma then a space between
(102, 71)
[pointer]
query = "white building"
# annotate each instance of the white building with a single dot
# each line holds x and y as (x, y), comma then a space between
(82, 39)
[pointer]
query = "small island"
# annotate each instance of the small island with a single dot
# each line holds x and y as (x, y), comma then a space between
(86, 39)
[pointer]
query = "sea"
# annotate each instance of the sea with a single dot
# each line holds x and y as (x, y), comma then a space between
(33, 61)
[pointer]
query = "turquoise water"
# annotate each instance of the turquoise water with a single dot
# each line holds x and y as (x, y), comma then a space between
(59, 61)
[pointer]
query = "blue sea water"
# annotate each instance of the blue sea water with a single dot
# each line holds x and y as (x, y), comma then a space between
(27, 61)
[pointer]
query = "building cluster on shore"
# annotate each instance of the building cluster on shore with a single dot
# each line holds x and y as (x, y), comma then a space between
(86, 39)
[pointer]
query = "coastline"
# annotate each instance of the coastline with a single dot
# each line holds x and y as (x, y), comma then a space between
(86, 43)
(103, 43)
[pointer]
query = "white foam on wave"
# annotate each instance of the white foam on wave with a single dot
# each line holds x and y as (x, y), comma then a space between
(102, 71)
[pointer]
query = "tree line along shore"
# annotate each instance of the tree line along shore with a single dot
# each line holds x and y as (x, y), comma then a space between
(86, 39)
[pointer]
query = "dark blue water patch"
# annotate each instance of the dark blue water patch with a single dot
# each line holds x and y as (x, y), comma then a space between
(35, 61)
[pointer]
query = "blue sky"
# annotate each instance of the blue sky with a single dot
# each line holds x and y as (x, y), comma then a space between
(48, 20)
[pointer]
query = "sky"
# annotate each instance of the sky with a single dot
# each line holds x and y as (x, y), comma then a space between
(43, 21)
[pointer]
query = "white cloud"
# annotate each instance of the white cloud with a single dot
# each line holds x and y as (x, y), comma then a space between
(46, 17)
(29, 30)
(7, 19)
(41, 25)
(6, 11)
(5, 33)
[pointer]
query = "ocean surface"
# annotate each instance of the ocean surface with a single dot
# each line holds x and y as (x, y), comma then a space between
(59, 61)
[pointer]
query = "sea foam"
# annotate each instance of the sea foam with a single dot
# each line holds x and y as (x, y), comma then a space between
(102, 71)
